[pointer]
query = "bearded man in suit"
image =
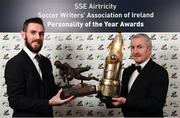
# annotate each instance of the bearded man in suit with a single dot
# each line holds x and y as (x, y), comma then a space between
(144, 88)
(30, 83)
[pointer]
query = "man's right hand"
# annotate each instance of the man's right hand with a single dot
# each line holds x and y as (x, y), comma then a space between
(56, 100)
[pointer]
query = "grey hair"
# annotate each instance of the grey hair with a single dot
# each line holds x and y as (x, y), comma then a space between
(146, 38)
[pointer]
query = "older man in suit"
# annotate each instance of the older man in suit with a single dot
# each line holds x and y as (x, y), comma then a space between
(28, 75)
(144, 84)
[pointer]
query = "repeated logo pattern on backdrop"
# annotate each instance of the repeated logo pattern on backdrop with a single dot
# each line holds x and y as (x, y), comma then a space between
(82, 49)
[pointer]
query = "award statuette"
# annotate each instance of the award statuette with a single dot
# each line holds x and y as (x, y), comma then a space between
(110, 85)
(69, 73)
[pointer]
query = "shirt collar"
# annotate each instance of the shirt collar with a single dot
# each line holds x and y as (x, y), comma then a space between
(30, 54)
(143, 64)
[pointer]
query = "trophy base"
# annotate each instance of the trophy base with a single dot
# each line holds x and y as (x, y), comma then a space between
(79, 91)
(104, 99)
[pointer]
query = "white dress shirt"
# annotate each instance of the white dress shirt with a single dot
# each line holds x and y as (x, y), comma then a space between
(135, 74)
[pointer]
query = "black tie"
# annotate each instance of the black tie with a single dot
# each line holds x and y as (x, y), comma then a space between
(38, 58)
(136, 67)
(42, 85)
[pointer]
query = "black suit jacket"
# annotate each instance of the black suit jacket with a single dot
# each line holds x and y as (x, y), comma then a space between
(28, 94)
(148, 92)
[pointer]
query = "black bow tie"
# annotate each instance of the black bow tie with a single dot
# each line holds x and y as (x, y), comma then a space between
(136, 67)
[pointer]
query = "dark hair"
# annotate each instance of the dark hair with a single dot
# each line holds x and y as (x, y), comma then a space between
(32, 20)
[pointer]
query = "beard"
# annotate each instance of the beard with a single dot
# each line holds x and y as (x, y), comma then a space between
(35, 50)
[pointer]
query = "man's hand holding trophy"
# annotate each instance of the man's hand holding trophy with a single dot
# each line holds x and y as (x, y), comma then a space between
(109, 85)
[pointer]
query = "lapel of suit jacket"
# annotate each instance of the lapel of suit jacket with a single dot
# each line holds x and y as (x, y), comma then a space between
(36, 74)
(127, 75)
(30, 64)
(142, 74)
